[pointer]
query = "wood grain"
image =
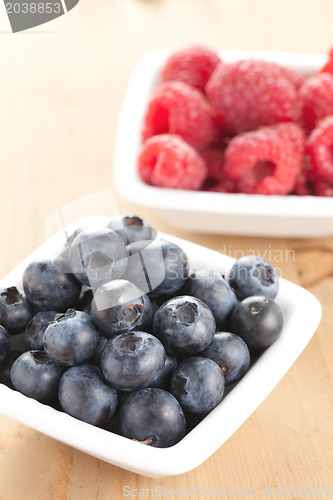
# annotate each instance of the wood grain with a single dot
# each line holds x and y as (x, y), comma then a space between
(62, 89)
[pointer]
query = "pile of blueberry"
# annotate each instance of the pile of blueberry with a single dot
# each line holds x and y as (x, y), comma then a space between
(120, 333)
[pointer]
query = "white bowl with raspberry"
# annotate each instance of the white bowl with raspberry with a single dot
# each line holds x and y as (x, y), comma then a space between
(229, 182)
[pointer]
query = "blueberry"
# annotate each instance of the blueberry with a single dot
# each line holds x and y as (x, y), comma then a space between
(198, 384)
(34, 332)
(152, 416)
(163, 379)
(97, 256)
(185, 325)
(253, 275)
(71, 338)
(131, 228)
(36, 375)
(131, 361)
(83, 394)
(49, 289)
(231, 353)
(118, 307)
(15, 310)
(5, 345)
(258, 320)
(157, 267)
(210, 287)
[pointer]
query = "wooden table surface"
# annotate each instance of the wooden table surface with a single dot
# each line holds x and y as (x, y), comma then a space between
(62, 87)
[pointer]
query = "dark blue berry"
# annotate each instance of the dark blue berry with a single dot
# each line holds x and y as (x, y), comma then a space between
(97, 256)
(185, 325)
(117, 307)
(157, 267)
(4, 345)
(131, 361)
(131, 228)
(49, 289)
(15, 310)
(198, 384)
(84, 394)
(252, 275)
(71, 338)
(210, 287)
(34, 332)
(231, 353)
(36, 375)
(152, 416)
(258, 320)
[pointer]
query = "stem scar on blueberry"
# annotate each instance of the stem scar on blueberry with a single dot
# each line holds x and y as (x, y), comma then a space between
(132, 311)
(186, 314)
(180, 383)
(264, 274)
(129, 342)
(11, 296)
(254, 310)
(133, 221)
(70, 313)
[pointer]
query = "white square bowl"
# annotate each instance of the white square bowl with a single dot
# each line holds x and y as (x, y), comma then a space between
(201, 211)
(302, 313)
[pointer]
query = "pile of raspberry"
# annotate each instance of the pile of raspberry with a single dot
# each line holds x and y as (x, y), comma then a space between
(249, 126)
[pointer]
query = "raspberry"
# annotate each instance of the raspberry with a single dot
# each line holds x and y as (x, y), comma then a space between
(328, 67)
(251, 93)
(193, 65)
(167, 161)
(177, 108)
(320, 147)
(267, 161)
(316, 99)
(323, 188)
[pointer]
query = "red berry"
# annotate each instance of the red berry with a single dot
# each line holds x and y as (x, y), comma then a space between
(328, 67)
(193, 65)
(167, 161)
(320, 147)
(250, 93)
(177, 108)
(316, 99)
(267, 161)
